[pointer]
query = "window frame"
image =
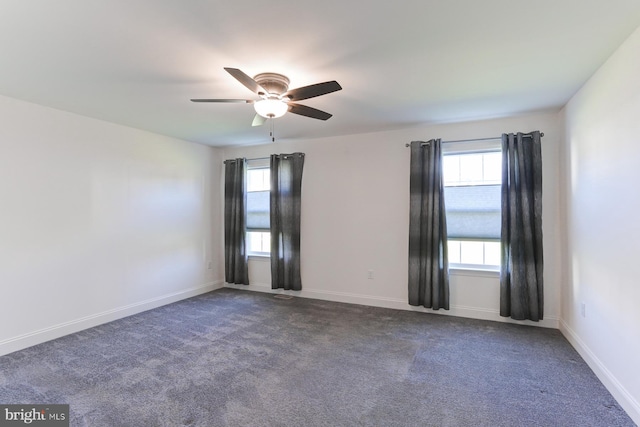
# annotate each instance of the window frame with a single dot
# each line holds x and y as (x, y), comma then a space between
(253, 165)
(465, 148)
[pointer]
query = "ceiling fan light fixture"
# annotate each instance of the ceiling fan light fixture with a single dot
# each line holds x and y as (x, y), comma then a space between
(270, 108)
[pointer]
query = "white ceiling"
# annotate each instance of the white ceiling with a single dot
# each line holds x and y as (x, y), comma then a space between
(400, 63)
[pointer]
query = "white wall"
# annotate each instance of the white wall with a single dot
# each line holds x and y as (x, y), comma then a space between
(98, 221)
(602, 204)
(355, 217)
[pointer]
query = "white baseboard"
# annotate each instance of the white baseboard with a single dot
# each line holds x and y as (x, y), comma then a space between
(37, 337)
(398, 304)
(617, 390)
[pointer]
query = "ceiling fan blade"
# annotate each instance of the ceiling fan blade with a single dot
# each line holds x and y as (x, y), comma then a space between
(258, 120)
(247, 81)
(312, 91)
(303, 110)
(246, 101)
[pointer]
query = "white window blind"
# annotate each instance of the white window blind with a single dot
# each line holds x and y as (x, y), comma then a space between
(473, 212)
(472, 194)
(258, 210)
(258, 185)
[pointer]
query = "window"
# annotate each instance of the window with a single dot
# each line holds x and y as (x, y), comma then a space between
(472, 182)
(258, 191)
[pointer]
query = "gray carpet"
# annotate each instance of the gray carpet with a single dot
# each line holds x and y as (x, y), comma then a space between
(239, 358)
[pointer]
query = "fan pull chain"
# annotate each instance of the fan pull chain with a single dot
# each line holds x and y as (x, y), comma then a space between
(272, 131)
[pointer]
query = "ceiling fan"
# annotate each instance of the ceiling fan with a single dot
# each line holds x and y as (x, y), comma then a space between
(276, 98)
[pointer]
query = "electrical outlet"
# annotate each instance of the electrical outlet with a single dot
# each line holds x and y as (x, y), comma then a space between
(583, 309)
(370, 274)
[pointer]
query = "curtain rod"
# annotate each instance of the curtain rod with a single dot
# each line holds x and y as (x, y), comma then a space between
(284, 156)
(477, 139)
(255, 158)
(262, 158)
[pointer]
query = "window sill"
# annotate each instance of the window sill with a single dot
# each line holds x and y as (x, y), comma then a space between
(259, 257)
(475, 272)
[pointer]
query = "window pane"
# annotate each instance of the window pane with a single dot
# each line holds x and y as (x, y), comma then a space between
(493, 168)
(253, 180)
(254, 243)
(258, 179)
(451, 169)
(266, 242)
(471, 252)
(454, 251)
(492, 253)
(259, 242)
(470, 168)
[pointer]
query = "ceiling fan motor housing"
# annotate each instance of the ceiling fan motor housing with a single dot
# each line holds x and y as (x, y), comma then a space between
(274, 83)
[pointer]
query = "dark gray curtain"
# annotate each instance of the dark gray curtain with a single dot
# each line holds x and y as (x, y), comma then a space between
(235, 197)
(428, 260)
(521, 293)
(286, 191)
